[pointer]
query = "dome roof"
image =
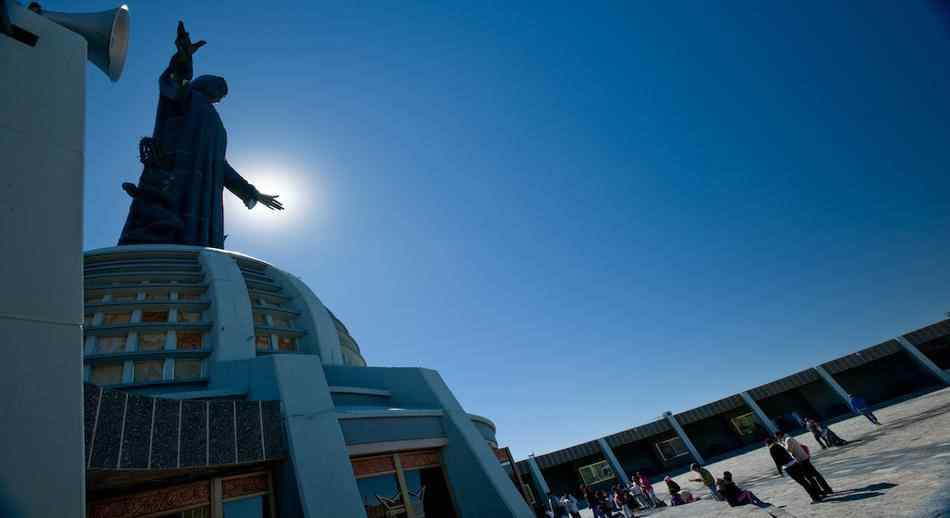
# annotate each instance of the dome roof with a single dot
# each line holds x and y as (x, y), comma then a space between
(159, 314)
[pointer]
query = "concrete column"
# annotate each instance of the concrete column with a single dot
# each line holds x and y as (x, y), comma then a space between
(42, 99)
(764, 419)
(842, 393)
(233, 329)
(541, 488)
(682, 434)
(612, 460)
(322, 337)
(470, 464)
(924, 361)
(321, 465)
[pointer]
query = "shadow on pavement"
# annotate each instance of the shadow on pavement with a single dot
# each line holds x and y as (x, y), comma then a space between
(852, 497)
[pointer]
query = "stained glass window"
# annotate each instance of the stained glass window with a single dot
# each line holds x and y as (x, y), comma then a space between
(189, 316)
(187, 369)
(286, 343)
(106, 373)
(280, 322)
(148, 370)
(152, 341)
(155, 316)
(382, 497)
(110, 344)
(117, 318)
(189, 341)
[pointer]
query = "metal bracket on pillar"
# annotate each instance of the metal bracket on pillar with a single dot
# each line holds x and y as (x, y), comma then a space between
(842, 393)
(612, 460)
(764, 419)
(924, 361)
(682, 435)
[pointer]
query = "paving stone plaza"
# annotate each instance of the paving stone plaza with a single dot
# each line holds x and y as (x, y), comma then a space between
(895, 470)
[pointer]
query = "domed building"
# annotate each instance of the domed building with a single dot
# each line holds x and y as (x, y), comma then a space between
(220, 385)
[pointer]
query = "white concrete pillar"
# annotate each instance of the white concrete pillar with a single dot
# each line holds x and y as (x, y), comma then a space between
(233, 321)
(842, 393)
(322, 337)
(924, 361)
(682, 435)
(612, 460)
(764, 419)
(540, 485)
(43, 107)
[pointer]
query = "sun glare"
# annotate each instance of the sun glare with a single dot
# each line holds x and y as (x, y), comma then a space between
(295, 191)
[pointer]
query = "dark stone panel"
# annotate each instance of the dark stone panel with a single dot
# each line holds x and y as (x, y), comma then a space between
(274, 440)
(165, 434)
(249, 431)
(194, 433)
(138, 428)
(886, 378)
(90, 406)
(640, 457)
(105, 448)
(222, 432)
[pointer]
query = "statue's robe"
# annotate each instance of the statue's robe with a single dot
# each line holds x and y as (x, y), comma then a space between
(188, 127)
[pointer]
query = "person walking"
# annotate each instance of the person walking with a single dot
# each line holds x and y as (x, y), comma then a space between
(706, 479)
(785, 463)
(620, 501)
(815, 430)
(636, 492)
(569, 502)
(830, 437)
(647, 489)
(554, 502)
(803, 456)
(860, 406)
(591, 496)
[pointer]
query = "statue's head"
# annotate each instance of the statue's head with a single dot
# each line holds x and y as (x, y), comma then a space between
(213, 87)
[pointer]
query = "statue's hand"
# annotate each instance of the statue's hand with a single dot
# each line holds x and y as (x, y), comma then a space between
(184, 45)
(270, 201)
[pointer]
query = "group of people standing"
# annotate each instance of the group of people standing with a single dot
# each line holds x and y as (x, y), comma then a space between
(622, 499)
(793, 458)
(790, 456)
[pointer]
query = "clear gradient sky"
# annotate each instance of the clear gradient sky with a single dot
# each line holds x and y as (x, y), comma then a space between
(580, 215)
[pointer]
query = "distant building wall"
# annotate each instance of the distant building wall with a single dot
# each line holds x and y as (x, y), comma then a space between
(879, 373)
(886, 378)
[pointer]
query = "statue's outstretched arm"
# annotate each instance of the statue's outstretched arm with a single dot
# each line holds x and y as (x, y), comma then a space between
(180, 69)
(247, 192)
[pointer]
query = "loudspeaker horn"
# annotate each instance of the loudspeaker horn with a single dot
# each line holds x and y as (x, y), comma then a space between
(106, 33)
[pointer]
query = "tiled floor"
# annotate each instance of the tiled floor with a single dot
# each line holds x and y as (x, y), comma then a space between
(888, 471)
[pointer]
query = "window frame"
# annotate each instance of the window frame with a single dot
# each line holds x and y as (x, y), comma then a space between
(685, 450)
(601, 463)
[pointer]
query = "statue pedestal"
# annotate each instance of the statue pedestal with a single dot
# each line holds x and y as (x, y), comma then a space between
(42, 118)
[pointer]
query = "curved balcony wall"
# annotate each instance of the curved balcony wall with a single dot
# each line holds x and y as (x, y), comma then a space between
(158, 315)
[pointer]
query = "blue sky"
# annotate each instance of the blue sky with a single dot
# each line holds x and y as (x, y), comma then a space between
(580, 215)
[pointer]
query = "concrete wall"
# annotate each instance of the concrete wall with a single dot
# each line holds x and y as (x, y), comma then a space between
(480, 486)
(42, 99)
(233, 331)
(886, 378)
(640, 456)
(717, 436)
(938, 351)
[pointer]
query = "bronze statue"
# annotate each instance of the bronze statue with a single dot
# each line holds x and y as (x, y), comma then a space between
(178, 199)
